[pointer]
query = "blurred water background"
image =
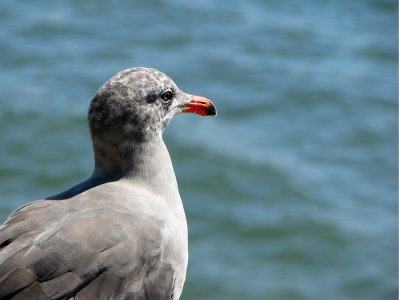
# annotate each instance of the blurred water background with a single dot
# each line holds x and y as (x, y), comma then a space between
(291, 192)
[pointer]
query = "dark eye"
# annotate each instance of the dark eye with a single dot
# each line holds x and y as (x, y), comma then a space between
(167, 95)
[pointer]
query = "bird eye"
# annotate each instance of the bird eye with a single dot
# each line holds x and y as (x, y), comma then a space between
(167, 95)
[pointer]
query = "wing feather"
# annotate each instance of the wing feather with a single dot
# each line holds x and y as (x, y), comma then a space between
(76, 253)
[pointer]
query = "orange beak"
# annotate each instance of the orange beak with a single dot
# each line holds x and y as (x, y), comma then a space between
(199, 105)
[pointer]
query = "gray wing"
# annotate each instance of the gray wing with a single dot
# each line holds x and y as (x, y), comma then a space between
(49, 250)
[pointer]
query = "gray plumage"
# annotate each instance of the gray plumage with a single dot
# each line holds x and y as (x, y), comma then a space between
(122, 233)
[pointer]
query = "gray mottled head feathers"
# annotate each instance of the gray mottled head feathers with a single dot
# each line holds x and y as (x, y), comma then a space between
(130, 104)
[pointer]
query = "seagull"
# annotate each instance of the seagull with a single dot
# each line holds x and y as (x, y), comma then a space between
(122, 233)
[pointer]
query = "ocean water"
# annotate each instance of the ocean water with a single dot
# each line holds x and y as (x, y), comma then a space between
(291, 192)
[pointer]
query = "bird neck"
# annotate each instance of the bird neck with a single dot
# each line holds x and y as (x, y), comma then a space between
(145, 162)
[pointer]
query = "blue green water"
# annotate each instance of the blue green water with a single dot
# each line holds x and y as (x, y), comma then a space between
(291, 192)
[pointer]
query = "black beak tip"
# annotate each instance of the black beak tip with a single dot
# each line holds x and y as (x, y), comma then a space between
(212, 111)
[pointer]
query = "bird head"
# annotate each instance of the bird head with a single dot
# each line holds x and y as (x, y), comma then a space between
(138, 103)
